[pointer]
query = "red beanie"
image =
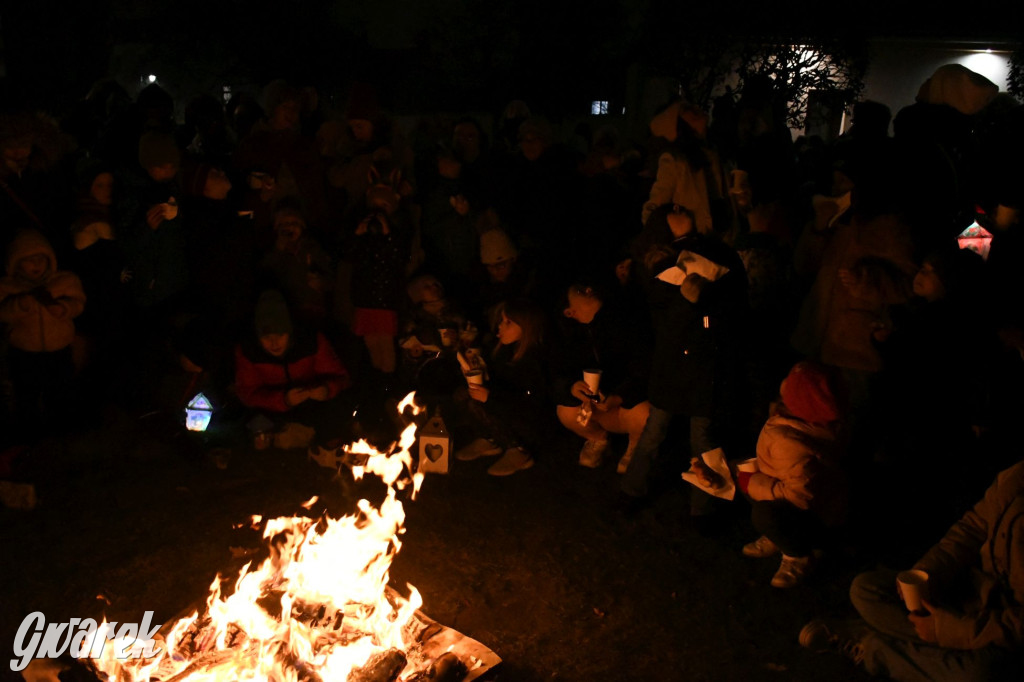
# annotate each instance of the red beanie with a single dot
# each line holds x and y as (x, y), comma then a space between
(807, 394)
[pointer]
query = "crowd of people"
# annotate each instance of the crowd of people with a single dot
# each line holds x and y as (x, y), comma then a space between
(715, 287)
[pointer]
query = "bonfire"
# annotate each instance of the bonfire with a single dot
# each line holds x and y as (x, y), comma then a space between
(319, 607)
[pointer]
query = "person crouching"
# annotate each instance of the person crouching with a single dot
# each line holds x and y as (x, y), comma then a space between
(797, 492)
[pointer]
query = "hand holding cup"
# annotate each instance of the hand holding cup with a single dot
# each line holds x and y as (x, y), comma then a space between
(912, 586)
(592, 378)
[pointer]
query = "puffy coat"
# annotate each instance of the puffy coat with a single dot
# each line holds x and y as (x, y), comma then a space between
(986, 545)
(262, 380)
(32, 326)
(796, 463)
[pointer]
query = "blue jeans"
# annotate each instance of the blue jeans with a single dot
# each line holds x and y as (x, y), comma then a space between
(635, 480)
(894, 649)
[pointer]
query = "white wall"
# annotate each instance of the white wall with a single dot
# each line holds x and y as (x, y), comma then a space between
(897, 69)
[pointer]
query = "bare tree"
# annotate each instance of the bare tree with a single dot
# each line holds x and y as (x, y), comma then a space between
(1015, 79)
(795, 67)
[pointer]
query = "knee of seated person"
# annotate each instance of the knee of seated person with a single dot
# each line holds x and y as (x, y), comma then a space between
(864, 587)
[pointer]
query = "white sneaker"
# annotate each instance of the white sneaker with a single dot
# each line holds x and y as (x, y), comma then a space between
(760, 548)
(593, 453)
(792, 571)
(514, 459)
(845, 638)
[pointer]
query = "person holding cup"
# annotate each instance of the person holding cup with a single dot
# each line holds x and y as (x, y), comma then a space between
(796, 489)
(506, 414)
(601, 373)
(968, 593)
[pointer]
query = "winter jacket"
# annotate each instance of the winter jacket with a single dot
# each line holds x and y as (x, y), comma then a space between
(518, 397)
(261, 380)
(837, 322)
(987, 547)
(379, 261)
(614, 341)
(678, 183)
(31, 326)
(796, 463)
(290, 272)
(156, 259)
(697, 364)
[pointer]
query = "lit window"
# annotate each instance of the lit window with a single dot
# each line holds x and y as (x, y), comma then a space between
(598, 108)
(152, 78)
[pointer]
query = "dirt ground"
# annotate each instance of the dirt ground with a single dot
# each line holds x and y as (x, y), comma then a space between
(535, 566)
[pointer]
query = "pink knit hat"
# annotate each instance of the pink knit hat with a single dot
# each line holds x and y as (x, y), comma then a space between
(808, 395)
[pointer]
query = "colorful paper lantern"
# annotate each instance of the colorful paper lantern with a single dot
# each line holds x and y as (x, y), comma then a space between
(977, 239)
(198, 413)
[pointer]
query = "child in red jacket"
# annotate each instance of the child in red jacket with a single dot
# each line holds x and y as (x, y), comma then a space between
(292, 373)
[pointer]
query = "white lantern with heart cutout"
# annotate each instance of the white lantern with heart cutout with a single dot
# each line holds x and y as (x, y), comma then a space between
(435, 446)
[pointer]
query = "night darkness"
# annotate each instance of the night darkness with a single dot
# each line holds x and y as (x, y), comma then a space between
(436, 55)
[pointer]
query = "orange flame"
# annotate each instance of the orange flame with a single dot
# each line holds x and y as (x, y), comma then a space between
(319, 603)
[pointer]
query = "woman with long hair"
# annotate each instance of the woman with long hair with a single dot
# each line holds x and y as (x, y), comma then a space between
(507, 413)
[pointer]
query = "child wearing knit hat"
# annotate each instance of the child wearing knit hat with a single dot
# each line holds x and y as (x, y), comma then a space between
(797, 491)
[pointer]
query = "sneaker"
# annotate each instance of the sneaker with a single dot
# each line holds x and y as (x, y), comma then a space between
(593, 453)
(792, 571)
(626, 459)
(481, 447)
(514, 459)
(821, 636)
(760, 548)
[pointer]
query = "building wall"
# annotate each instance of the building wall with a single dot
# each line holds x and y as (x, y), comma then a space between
(898, 68)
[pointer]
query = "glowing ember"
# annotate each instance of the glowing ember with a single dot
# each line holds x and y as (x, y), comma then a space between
(319, 608)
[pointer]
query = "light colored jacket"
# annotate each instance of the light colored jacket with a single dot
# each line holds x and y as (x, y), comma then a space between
(795, 461)
(31, 325)
(837, 322)
(677, 183)
(987, 546)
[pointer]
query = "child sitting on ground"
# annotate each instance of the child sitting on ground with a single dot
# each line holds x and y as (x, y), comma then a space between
(293, 374)
(797, 491)
(507, 414)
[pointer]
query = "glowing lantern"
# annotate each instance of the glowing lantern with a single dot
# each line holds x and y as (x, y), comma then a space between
(977, 239)
(198, 413)
(435, 446)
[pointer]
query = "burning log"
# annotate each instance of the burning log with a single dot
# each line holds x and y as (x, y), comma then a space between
(382, 667)
(319, 606)
(202, 663)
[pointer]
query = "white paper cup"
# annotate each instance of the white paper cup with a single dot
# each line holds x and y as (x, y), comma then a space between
(475, 377)
(913, 588)
(592, 378)
(449, 335)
